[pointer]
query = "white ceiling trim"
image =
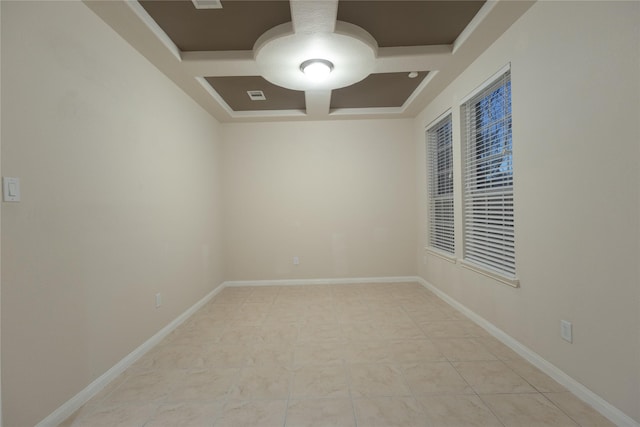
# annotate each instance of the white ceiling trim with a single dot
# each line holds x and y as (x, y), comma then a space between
(220, 64)
(476, 21)
(411, 58)
(314, 16)
(389, 60)
(252, 115)
(268, 115)
(155, 28)
(318, 102)
(186, 69)
(215, 95)
(424, 83)
(368, 113)
(386, 110)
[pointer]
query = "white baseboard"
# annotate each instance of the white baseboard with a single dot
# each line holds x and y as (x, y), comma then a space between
(76, 402)
(340, 281)
(606, 409)
(609, 411)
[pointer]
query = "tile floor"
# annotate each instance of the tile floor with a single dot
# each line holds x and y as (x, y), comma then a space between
(332, 355)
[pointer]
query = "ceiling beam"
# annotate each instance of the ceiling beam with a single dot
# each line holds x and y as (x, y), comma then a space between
(493, 19)
(412, 58)
(222, 63)
(132, 22)
(314, 16)
(318, 103)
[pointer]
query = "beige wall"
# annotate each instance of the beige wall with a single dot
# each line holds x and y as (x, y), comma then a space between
(340, 195)
(126, 185)
(120, 187)
(0, 223)
(575, 90)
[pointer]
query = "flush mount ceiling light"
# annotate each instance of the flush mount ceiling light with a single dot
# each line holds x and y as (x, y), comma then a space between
(349, 52)
(316, 69)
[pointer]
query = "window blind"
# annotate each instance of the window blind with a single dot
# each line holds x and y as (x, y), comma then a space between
(488, 179)
(440, 186)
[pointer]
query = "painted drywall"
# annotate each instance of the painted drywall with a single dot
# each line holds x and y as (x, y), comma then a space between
(339, 195)
(576, 93)
(0, 223)
(121, 198)
(120, 185)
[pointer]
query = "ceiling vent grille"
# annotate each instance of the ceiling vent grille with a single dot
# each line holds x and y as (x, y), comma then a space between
(256, 95)
(207, 4)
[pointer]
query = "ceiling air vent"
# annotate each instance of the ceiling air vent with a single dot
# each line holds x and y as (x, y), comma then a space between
(207, 4)
(256, 95)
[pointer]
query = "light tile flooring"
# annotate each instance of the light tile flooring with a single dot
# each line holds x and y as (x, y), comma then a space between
(332, 355)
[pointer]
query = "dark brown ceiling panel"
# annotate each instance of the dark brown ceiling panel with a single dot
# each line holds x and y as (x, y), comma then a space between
(239, 23)
(234, 92)
(377, 90)
(410, 23)
(236, 26)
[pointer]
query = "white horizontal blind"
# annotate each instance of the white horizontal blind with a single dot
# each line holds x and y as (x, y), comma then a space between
(440, 185)
(488, 178)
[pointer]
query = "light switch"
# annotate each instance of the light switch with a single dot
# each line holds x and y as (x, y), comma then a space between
(566, 331)
(11, 189)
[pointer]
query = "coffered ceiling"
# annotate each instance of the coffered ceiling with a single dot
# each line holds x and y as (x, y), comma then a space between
(389, 58)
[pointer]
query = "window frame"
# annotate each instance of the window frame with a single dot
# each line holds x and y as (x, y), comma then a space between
(440, 195)
(488, 226)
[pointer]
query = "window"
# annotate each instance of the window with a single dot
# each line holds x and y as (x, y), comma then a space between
(440, 185)
(488, 179)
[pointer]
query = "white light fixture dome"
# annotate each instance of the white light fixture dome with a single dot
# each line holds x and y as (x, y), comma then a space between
(316, 69)
(349, 51)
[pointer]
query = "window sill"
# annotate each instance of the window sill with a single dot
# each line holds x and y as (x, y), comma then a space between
(440, 254)
(511, 281)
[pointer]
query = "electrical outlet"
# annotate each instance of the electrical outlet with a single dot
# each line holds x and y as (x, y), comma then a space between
(158, 299)
(296, 260)
(566, 331)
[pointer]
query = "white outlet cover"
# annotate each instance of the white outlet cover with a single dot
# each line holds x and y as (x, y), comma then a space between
(566, 331)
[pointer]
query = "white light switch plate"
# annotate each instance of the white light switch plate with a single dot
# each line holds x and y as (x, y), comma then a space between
(566, 331)
(11, 189)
